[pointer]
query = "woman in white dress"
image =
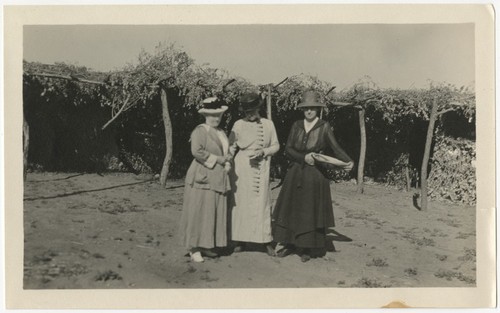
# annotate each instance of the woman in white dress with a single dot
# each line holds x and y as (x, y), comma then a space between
(253, 141)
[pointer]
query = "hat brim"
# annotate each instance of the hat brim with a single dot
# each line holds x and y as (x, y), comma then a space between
(222, 109)
(311, 105)
(250, 108)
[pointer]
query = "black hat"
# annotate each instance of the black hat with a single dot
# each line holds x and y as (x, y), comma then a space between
(250, 101)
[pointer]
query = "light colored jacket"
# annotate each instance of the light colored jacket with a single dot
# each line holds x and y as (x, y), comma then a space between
(204, 172)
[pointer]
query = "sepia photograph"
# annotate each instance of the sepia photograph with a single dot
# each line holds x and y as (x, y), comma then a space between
(187, 156)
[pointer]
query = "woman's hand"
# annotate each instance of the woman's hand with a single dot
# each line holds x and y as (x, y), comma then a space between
(227, 167)
(259, 153)
(223, 159)
(349, 166)
(309, 159)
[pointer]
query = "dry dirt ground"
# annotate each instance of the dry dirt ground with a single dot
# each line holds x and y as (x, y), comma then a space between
(120, 231)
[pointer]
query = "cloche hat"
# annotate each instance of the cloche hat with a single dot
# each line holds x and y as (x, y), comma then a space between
(311, 98)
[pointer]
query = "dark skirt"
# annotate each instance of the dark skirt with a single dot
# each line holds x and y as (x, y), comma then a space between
(303, 211)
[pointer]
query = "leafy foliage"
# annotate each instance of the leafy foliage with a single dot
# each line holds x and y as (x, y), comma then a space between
(66, 118)
(453, 174)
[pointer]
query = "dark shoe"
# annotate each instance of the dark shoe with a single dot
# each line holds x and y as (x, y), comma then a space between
(270, 250)
(208, 253)
(284, 252)
(305, 257)
(239, 248)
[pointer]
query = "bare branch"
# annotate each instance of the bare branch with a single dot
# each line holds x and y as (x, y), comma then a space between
(132, 103)
(281, 82)
(117, 114)
(228, 83)
(331, 89)
(445, 111)
(71, 78)
(200, 68)
(337, 103)
(80, 80)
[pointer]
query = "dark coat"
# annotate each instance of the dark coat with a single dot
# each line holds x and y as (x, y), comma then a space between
(304, 204)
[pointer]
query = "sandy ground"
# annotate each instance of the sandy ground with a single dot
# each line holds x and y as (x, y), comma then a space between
(120, 231)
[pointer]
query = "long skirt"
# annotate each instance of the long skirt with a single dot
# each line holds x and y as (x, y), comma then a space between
(250, 200)
(204, 219)
(303, 211)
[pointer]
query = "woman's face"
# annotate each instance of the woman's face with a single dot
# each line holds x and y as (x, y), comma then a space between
(252, 115)
(213, 119)
(310, 113)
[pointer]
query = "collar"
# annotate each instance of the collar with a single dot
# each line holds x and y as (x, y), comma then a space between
(319, 122)
(257, 120)
(207, 127)
(312, 122)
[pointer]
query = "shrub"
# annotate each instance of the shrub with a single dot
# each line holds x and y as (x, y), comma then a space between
(453, 173)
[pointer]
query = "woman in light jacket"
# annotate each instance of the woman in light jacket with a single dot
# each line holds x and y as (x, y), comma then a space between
(203, 223)
(253, 141)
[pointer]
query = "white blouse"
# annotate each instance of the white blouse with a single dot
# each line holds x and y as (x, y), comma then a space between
(309, 125)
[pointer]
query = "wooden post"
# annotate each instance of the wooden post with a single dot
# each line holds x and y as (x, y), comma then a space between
(427, 151)
(269, 116)
(26, 142)
(362, 150)
(407, 167)
(168, 137)
(408, 179)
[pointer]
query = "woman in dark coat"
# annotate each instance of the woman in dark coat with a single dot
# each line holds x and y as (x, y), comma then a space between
(304, 212)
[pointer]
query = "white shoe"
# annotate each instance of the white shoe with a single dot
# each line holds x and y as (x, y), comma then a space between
(196, 257)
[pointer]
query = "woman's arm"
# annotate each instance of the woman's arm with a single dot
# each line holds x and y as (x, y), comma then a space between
(289, 150)
(198, 148)
(274, 146)
(336, 148)
(233, 141)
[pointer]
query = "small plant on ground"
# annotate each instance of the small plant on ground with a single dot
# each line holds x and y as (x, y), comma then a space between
(449, 275)
(441, 257)
(378, 262)
(108, 275)
(469, 256)
(412, 271)
(366, 282)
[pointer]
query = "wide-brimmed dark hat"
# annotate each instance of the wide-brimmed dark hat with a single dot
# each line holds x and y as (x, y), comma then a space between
(250, 101)
(212, 105)
(311, 98)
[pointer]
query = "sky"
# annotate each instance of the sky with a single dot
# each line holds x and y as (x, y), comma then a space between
(393, 55)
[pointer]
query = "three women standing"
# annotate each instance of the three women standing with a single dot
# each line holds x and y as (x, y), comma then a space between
(303, 212)
(253, 141)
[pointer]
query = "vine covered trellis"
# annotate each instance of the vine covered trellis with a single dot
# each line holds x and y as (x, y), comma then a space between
(156, 99)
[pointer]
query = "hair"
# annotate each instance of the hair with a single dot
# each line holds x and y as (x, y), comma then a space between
(317, 109)
(211, 114)
(252, 111)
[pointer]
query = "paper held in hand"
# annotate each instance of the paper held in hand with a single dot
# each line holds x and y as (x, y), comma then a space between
(331, 160)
